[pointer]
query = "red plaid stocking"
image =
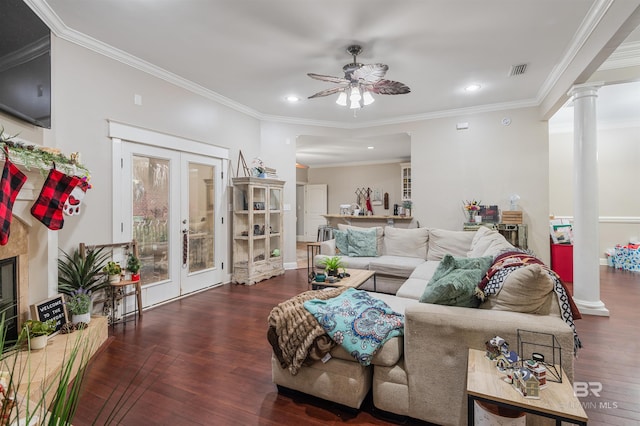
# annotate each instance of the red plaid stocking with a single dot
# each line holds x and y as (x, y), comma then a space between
(55, 191)
(11, 182)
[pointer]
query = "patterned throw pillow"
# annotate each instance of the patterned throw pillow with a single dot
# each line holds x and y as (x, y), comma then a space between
(342, 244)
(358, 322)
(362, 243)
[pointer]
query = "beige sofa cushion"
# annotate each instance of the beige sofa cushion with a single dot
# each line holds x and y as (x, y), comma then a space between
(442, 241)
(379, 234)
(528, 290)
(488, 242)
(397, 266)
(405, 242)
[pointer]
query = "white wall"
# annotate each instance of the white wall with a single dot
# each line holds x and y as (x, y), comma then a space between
(618, 160)
(342, 183)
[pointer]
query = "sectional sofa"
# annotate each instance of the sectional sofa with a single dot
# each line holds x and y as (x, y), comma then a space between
(422, 375)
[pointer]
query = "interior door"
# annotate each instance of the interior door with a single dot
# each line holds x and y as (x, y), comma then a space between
(315, 206)
(173, 203)
(199, 219)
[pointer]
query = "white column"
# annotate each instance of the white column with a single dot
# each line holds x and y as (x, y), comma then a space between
(586, 258)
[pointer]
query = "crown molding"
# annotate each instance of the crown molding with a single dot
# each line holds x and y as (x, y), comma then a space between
(599, 9)
(626, 55)
(61, 30)
(590, 22)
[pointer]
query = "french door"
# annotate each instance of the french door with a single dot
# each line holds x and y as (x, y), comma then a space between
(172, 206)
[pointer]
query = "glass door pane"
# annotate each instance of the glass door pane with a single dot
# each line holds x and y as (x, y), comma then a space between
(150, 194)
(201, 216)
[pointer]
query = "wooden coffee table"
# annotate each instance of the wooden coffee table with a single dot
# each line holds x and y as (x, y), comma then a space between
(356, 278)
(556, 400)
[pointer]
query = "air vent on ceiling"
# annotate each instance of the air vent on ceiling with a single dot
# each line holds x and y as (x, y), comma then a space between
(517, 70)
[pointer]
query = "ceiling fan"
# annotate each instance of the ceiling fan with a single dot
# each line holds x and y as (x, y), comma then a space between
(359, 82)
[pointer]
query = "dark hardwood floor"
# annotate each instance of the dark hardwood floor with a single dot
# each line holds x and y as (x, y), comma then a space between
(205, 360)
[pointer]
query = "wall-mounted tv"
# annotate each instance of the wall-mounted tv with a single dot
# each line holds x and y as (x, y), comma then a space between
(25, 64)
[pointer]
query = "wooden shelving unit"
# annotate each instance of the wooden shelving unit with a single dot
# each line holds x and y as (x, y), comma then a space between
(257, 229)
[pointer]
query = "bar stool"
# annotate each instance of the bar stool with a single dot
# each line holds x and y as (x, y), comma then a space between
(325, 233)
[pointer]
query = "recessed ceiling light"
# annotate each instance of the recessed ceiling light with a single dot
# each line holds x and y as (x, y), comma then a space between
(370, 147)
(292, 98)
(472, 87)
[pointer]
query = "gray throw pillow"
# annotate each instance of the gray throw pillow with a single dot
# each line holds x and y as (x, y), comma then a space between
(455, 280)
(362, 243)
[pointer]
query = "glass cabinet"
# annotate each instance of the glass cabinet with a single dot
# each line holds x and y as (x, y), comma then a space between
(257, 229)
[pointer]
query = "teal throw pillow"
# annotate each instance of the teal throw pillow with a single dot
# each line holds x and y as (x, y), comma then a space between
(342, 244)
(455, 280)
(362, 243)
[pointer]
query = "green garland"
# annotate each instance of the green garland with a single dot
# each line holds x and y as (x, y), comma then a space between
(32, 156)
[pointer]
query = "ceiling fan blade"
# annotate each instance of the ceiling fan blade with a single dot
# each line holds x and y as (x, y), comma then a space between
(369, 73)
(328, 92)
(389, 87)
(329, 78)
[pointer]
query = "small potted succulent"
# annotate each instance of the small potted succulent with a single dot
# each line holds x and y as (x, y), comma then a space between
(34, 333)
(79, 306)
(113, 270)
(133, 266)
(331, 265)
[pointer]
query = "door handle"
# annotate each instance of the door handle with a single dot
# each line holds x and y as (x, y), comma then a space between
(185, 247)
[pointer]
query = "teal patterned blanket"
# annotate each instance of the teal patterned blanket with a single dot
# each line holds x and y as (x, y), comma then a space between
(358, 322)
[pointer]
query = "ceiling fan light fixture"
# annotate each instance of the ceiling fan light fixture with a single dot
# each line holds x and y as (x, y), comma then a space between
(354, 104)
(355, 94)
(367, 98)
(342, 99)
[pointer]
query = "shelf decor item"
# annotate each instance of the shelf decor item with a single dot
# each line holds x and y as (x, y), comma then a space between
(471, 208)
(79, 306)
(113, 270)
(34, 333)
(133, 266)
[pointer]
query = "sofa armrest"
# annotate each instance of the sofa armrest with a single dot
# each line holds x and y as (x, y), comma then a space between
(328, 247)
(437, 339)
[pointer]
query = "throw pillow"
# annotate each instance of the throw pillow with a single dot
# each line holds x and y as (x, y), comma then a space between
(361, 324)
(443, 241)
(362, 243)
(528, 289)
(455, 280)
(405, 242)
(379, 234)
(488, 242)
(342, 244)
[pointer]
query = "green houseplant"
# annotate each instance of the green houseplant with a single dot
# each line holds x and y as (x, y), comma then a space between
(331, 264)
(34, 333)
(133, 266)
(114, 270)
(76, 272)
(79, 306)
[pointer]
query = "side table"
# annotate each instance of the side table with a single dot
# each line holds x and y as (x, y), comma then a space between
(312, 250)
(119, 292)
(557, 400)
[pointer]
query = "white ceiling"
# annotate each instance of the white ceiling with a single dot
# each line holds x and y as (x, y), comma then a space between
(251, 54)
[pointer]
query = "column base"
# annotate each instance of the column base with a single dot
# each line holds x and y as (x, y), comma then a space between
(591, 308)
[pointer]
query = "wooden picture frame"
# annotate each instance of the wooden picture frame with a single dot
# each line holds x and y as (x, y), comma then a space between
(51, 308)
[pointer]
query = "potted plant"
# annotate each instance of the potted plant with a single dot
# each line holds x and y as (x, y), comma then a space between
(407, 204)
(79, 306)
(331, 265)
(34, 333)
(113, 270)
(133, 266)
(76, 272)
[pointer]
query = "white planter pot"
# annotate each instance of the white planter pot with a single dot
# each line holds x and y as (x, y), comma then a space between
(86, 318)
(37, 343)
(114, 278)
